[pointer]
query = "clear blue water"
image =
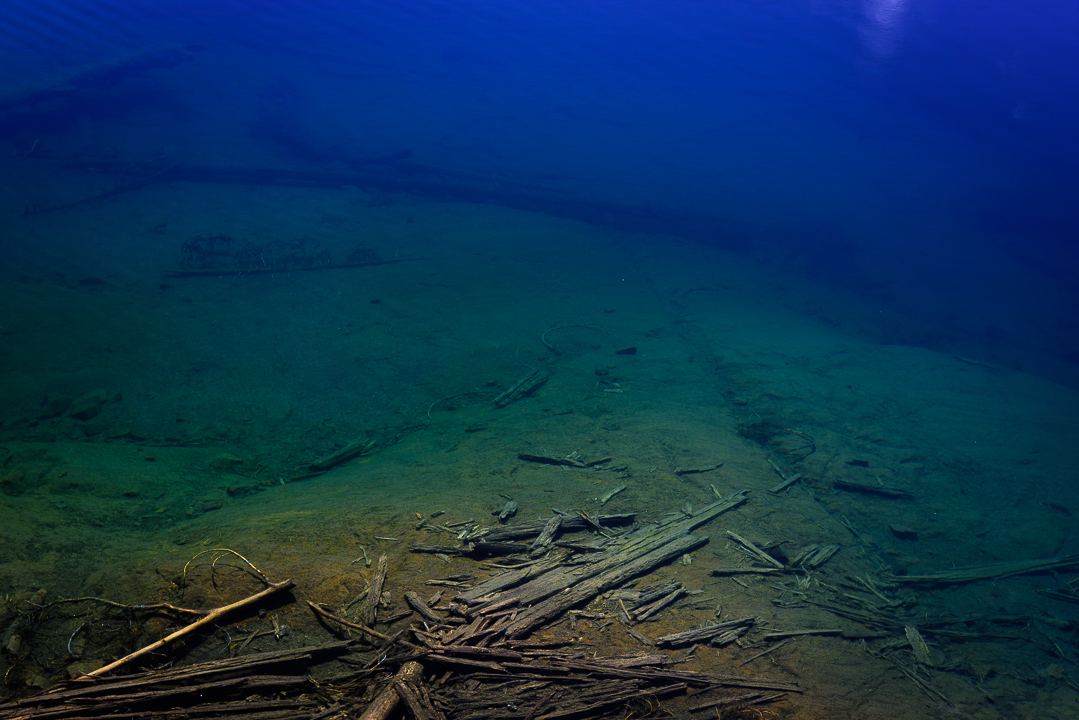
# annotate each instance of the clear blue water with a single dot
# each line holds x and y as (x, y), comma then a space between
(922, 152)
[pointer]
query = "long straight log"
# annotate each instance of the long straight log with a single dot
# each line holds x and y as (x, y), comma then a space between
(533, 528)
(600, 669)
(506, 580)
(214, 616)
(994, 571)
(639, 542)
(190, 676)
(581, 592)
(705, 633)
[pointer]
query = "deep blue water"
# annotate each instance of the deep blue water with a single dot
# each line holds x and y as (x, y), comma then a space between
(922, 152)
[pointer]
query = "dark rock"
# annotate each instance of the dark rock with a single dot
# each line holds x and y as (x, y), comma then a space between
(55, 405)
(903, 532)
(88, 405)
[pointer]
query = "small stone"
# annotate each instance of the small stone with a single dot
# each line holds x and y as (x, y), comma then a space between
(903, 532)
(88, 405)
(226, 461)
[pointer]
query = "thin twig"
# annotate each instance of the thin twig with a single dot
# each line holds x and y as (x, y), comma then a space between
(210, 618)
(346, 623)
(762, 654)
(262, 576)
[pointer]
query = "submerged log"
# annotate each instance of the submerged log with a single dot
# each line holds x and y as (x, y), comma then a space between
(708, 632)
(388, 699)
(993, 571)
(374, 593)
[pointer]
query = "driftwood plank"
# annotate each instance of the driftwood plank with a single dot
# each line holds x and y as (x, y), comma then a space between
(387, 701)
(867, 489)
(706, 633)
(533, 528)
(374, 594)
(579, 593)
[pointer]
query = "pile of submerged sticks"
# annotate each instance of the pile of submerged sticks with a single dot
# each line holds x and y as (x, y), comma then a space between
(487, 654)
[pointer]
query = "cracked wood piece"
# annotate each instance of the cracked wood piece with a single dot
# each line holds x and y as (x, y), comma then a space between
(993, 571)
(417, 701)
(454, 660)
(497, 548)
(638, 635)
(600, 669)
(619, 552)
(786, 483)
(543, 541)
(374, 594)
(551, 460)
(434, 549)
(867, 489)
(917, 645)
(359, 446)
(705, 633)
(346, 623)
(607, 498)
(523, 387)
(507, 511)
(479, 593)
(746, 571)
(646, 596)
(819, 556)
(572, 523)
(757, 698)
(417, 604)
(697, 470)
(755, 551)
(642, 614)
(388, 700)
(579, 593)
(781, 634)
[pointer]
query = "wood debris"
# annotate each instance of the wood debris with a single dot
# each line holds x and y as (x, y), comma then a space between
(813, 556)
(746, 571)
(523, 387)
(720, 633)
(993, 571)
(917, 645)
(606, 498)
(360, 446)
(263, 685)
(374, 595)
(755, 551)
(697, 470)
(788, 480)
(474, 657)
(507, 511)
(869, 489)
(552, 460)
(546, 536)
